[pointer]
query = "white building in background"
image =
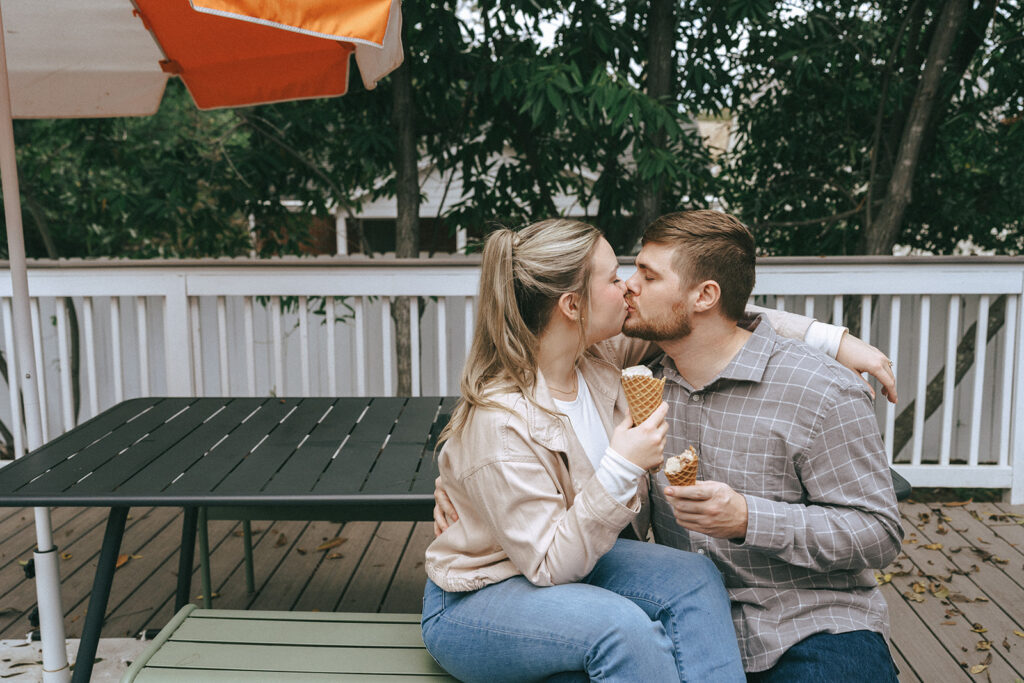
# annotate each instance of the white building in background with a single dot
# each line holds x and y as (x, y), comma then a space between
(441, 192)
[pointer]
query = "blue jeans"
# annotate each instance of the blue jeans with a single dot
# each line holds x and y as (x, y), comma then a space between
(645, 613)
(854, 657)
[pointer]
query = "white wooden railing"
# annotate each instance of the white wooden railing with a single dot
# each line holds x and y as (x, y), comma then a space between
(256, 328)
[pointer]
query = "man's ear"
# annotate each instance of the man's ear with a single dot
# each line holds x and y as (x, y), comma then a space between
(709, 294)
(569, 305)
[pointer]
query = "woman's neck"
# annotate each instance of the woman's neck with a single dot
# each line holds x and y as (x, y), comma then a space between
(557, 347)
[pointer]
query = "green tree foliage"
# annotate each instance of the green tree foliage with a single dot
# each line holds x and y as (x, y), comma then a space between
(822, 109)
(527, 101)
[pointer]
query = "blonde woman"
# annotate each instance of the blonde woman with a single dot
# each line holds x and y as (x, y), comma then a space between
(532, 580)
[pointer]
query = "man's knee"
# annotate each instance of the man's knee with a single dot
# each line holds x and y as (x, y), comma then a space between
(855, 656)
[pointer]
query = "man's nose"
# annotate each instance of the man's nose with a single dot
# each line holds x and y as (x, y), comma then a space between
(633, 284)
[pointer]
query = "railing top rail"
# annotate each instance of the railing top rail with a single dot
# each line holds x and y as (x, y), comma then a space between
(473, 261)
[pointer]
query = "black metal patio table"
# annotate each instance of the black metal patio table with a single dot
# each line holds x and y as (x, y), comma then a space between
(354, 458)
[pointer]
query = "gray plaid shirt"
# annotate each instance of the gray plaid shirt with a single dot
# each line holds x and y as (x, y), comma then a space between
(795, 433)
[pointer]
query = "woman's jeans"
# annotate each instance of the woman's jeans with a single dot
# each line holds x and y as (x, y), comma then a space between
(645, 613)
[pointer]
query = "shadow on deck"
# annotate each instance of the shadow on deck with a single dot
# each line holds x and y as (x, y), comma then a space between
(955, 594)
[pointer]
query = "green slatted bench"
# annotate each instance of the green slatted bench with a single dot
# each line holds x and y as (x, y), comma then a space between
(243, 645)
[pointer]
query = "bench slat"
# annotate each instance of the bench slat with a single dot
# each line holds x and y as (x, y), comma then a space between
(211, 676)
(293, 659)
(294, 632)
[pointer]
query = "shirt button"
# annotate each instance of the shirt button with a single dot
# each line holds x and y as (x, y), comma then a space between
(701, 551)
(695, 398)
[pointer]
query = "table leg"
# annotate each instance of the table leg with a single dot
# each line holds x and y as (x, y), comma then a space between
(204, 559)
(186, 556)
(100, 593)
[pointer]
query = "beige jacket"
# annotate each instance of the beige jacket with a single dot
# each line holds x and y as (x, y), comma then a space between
(525, 490)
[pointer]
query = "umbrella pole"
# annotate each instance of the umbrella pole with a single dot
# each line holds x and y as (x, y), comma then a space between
(51, 613)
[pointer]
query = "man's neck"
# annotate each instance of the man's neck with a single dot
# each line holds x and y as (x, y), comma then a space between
(700, 356)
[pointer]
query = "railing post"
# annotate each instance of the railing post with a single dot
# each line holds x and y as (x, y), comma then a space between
(1017, 426)
(177, 342)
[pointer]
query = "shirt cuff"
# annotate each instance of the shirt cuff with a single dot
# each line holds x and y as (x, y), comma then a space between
(619, 477)
(767, 525)
(825, 337)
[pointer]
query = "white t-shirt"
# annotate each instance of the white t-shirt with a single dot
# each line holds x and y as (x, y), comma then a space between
(619, 476)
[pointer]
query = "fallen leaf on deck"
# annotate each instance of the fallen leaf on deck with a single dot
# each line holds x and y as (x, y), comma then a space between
(933, 546)
(978, 628)
(65, 556)
(334, 542)
(281, 540)
(212, 595)
(958, 597)
(136, 557)
(941, 593)
(335, 556)
(948, 623)
(1006, 644)
(1018, 633)
(941, 530)
(982, 540)
(919, 587)
(882, 579)
(916, 597)
(300, 551)
(121, 561)
(959, 503)
(978, 668)
(981, 598)
(983, 645)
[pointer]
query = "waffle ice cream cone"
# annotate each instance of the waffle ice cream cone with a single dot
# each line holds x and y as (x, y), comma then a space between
(643, 392)
(681, 470)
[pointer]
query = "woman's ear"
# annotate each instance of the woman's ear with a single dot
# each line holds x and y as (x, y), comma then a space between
(569, 305)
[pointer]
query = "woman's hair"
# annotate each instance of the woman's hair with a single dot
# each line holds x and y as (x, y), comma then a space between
(521, 278)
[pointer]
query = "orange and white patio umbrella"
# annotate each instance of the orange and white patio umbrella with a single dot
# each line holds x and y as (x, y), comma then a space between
(89, 58)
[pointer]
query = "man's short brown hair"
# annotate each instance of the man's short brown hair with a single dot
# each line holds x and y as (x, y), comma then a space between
(710, 245)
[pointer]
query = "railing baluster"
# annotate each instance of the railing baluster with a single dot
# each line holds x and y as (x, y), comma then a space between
(780, 303)
(332, 359)
(90, 357)
(360, 346)
(809, 306)
(115, 348)
(949, 378)
(1005, 412)
(143, 345)
(13, 385)
(865, 318)
(275, 333)
(837, 309)
(894, 350)
(980, 348)
(67, 402)
(442, 345)
(922, 378)
(222, 346)
(304, 345)
(414, 343)
(385, 318)
(469, 325)
(250, 345)
(37, 344)
(197, 346)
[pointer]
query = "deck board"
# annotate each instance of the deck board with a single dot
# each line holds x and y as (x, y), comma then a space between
(379, 567)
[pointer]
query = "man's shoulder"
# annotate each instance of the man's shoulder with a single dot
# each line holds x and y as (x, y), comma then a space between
(794, 362)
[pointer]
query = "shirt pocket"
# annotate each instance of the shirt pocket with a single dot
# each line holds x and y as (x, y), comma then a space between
(757, 463)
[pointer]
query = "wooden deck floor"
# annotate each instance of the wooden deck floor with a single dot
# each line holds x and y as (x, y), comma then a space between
(956, 594)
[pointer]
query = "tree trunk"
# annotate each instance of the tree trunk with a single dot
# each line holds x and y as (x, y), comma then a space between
(883, 233)
(407, 225)
(660, 38)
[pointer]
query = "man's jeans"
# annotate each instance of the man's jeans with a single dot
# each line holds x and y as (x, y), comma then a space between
(645, 613)
(854, 657)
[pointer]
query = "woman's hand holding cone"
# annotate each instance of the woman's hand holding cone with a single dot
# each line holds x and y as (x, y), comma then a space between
(644, 444)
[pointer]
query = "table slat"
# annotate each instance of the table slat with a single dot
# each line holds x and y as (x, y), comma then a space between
(64, 474)
(348, 471)
(302, 471)
(399, 461)
(142, 455)
(205, 474)
(25, 469)
(255, 470)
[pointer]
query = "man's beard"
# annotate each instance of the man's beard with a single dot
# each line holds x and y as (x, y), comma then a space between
(675, 326)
